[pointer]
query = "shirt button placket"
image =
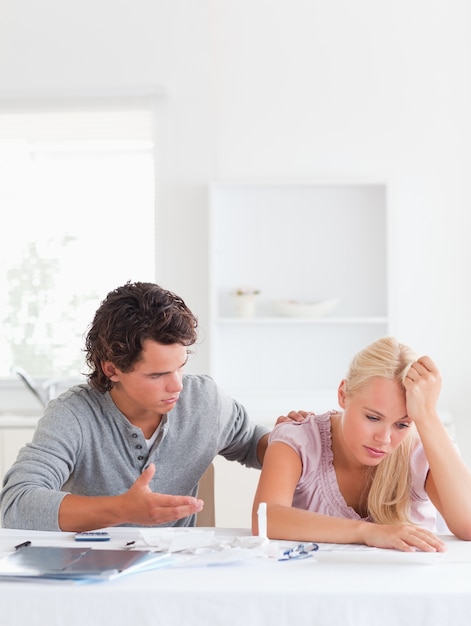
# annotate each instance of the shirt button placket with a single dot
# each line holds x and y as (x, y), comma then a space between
(138, 447)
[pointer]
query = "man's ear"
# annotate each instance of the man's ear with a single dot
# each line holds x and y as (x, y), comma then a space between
(341, 394)
(109, 370)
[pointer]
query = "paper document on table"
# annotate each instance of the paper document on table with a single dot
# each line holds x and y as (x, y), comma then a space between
(77, 564)
(365, 554)
(177, 539)
(202, 547)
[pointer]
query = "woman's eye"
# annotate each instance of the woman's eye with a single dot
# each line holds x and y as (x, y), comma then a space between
(372, 418)
(402, 425)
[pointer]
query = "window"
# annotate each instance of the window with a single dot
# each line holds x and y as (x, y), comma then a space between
(77, 191)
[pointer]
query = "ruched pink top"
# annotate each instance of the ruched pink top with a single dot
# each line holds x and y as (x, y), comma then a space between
(317, 489)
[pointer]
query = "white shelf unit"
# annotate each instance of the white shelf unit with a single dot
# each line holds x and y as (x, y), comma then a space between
(306, 242)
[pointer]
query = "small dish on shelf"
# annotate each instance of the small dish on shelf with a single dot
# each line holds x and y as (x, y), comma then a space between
(300, 308)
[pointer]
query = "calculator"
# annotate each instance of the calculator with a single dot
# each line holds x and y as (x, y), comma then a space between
(95, 535)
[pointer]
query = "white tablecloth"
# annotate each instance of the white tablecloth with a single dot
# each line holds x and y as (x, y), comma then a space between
(337, 588)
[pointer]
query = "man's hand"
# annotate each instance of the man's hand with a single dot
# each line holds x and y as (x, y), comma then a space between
(293, 416)
(148, 508)
(139, 505)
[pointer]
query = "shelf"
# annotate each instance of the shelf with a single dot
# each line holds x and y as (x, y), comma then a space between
(306, 243)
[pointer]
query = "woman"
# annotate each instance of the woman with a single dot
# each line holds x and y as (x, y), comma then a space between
(375, 473)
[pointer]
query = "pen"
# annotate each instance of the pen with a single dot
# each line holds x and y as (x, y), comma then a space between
(25, 544)
(301, 551)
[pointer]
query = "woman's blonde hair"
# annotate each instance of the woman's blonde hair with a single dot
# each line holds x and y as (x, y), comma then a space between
(388, 500)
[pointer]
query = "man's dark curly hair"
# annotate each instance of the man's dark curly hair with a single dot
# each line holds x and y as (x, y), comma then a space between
(126, 318)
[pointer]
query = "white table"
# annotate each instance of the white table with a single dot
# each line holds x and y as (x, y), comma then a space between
(332, 589)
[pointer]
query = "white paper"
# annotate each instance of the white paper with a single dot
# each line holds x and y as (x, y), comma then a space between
(202, 547)
(176, 539)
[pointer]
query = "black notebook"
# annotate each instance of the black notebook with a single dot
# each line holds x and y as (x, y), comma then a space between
(79, 564)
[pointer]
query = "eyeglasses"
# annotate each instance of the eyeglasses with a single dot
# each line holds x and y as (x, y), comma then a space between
(301, 551)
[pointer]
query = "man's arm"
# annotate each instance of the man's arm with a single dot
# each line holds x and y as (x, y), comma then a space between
(139, 505)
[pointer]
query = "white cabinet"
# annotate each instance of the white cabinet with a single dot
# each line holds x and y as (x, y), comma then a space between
(301, 242)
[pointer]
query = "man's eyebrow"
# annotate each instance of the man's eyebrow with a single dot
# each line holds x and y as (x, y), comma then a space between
(163, 373)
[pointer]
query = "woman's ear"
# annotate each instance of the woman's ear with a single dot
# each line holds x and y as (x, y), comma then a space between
(341, 394)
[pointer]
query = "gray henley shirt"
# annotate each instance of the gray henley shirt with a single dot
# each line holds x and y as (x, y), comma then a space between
(84, 445)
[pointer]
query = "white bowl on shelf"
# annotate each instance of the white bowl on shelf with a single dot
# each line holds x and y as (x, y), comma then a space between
(300, 308)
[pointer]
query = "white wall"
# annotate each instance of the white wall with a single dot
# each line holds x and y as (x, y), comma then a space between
(292, 90)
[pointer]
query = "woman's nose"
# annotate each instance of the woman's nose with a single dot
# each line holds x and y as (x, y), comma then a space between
(383, 435)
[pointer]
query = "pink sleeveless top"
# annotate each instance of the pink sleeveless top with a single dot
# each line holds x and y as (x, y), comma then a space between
(317, 489)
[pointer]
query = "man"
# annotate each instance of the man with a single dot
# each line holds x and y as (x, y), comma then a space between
(129, 447)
